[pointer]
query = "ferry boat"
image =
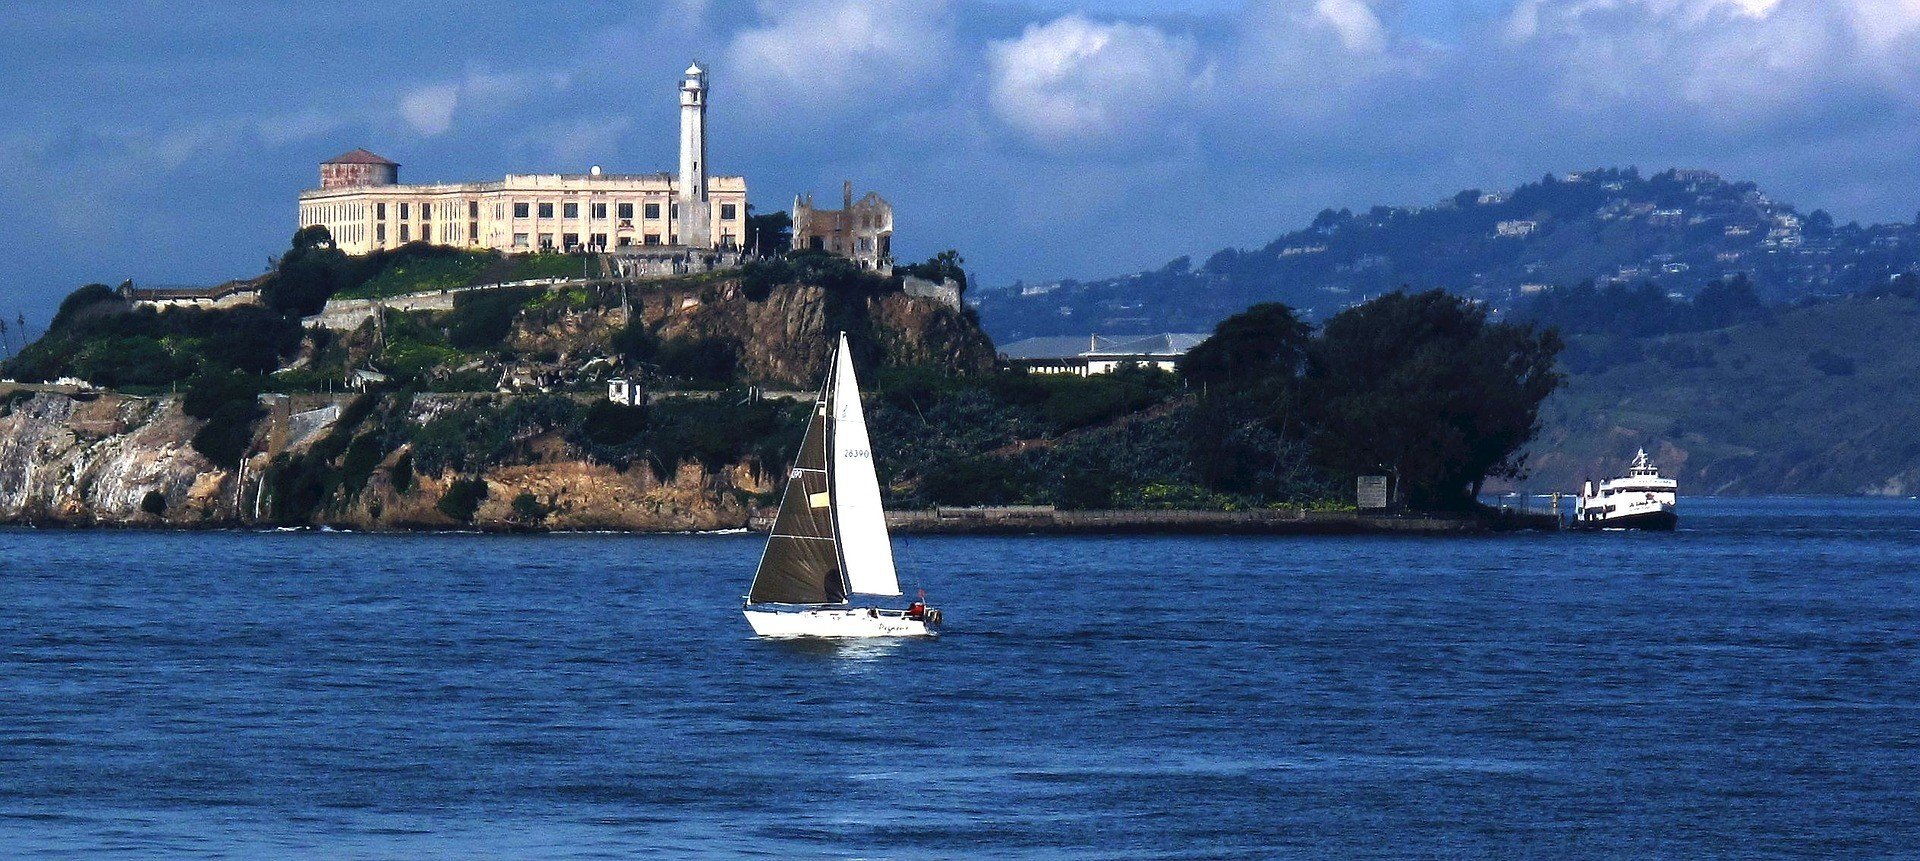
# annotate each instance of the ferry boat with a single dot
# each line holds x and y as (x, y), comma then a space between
(1641, 500)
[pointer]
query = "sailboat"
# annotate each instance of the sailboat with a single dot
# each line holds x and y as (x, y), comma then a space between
(829, 541)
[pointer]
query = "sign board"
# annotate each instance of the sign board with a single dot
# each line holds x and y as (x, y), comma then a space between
(1372, 491)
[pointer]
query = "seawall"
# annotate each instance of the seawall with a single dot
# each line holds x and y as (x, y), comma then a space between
(1013, 520)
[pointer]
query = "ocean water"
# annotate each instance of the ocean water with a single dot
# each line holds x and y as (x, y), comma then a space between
(1748, 687)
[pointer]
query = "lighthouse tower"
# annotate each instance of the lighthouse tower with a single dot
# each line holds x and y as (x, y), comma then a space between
(695, 223)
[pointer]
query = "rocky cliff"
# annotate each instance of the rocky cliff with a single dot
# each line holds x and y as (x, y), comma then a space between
(86, 459)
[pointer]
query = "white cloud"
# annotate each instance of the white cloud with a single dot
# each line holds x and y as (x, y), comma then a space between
(580, 141)
(1359, 28)
(1074, 82)
(280, 129)
(837, 54)
(430, 109)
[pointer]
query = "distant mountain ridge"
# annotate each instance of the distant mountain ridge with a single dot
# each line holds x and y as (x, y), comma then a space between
(1805, 401)
(1679, 230)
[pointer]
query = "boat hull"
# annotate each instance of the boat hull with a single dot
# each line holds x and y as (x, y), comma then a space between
(1662, 520)
(835, 622)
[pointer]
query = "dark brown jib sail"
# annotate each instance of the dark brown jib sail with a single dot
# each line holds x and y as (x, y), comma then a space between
(801, 564)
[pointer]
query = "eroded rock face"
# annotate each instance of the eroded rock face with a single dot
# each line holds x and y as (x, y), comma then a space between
(571, 495)
(71, 460)
(95, 461)
(785, 339)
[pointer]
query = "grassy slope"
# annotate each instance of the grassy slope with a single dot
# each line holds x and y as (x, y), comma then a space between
(1762, 418)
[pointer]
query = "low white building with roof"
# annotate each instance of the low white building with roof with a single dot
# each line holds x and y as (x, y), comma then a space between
(1099, 354)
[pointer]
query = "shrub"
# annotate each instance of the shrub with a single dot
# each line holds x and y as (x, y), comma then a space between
(719, 432)
(485, 433)
(229, 403)
(402, 473)
(362, 456)
(984, 480)
(462, 499)
(13, 399)
(528, 510)
(636, 341)
(481, 320)
(702, 361)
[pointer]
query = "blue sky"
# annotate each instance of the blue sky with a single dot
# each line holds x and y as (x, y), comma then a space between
(165, 142)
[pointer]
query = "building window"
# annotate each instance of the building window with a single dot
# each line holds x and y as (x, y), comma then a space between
(380, 233)
(405, 236)
(546, 210)
(519, 240)
(426, 233)
(728, 211)
(473, 209)
(599, 241)
(866, 243)
(626, 241)
(653, 210)
(403, 212)
(626, 212)
(572, 240)
(570, 210)
(473, 231)
(520, 210)
(546, 242)
(673, 211)
(380, 210)
(599, 210)
(653, 239)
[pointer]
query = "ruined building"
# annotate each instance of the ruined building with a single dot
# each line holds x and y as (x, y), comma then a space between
(860, 230)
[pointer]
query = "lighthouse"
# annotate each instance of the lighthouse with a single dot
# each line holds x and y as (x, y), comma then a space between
(695, 222)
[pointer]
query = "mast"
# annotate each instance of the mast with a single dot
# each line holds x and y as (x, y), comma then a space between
(831, 388)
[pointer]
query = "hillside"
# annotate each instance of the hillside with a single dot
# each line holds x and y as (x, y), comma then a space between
(486, 408)
(1677, 230)
(1813, 400)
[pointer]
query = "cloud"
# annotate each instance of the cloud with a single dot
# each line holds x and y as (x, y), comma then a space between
(429, 109)
(578, 141)
(1359, 28)
(1074, 83)
(834, 55)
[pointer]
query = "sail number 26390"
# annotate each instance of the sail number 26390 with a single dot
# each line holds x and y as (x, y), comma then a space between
(855, 452)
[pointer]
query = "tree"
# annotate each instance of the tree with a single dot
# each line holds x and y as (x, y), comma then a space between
(311, 271)
(948, 265)
(1424, 387)
(1259, 342)
(771, 233)
(1245, 433)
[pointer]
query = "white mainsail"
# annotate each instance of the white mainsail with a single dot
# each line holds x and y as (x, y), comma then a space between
(860, 521)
